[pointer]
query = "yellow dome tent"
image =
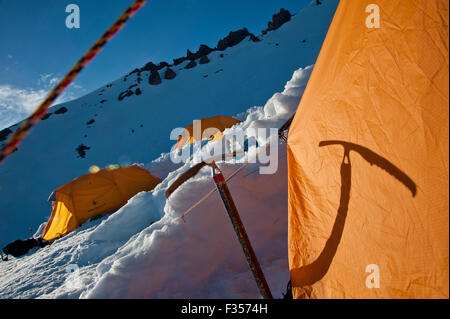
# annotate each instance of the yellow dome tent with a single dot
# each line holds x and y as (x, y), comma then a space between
(209, 128)
(95, 194)
(368, 156)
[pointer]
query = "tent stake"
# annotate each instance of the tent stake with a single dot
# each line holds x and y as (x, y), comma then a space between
(240, 232)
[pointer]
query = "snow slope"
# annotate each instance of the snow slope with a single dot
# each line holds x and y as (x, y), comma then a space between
(145, 249)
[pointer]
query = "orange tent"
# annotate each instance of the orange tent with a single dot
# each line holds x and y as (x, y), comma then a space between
(368, 156)
(207, 128)
(95, 194)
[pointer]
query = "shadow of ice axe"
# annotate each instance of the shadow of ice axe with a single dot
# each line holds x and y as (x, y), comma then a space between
(375, 159)
(309, 274)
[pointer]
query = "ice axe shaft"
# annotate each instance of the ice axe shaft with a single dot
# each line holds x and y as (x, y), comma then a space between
(240, 232)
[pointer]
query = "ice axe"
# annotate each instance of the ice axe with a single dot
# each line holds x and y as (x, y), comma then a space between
(236, 221)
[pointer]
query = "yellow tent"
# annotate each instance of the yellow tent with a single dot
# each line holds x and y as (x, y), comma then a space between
(208, 128)
(368, 156)
(95, 194)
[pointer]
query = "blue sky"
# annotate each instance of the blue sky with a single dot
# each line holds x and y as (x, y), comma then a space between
(37, 48)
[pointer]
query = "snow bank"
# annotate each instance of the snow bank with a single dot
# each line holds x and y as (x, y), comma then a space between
(201, 257)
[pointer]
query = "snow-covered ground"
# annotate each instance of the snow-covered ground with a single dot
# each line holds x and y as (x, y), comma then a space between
(145, 250)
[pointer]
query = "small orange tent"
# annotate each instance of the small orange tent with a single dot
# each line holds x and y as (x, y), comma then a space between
(95, 194)
(207, 128)
(368, 156)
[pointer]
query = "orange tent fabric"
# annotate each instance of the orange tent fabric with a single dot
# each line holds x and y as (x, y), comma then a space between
(211, 127)
(368, 156)
(95, 194)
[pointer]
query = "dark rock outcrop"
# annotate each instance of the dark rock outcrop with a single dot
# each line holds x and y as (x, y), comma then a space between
(278, 20)
(134, 71)
(169, 74)
(254, 38)
(125, 94)
(162, 65)
(61, 110)
(178, 61)
(4, 134)
(190, 55)
(191, 64)
(150, 66)
(154, 78)
(204, 50)
(81, 150)
(233, 38)
(204, 59)
(45, 117)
